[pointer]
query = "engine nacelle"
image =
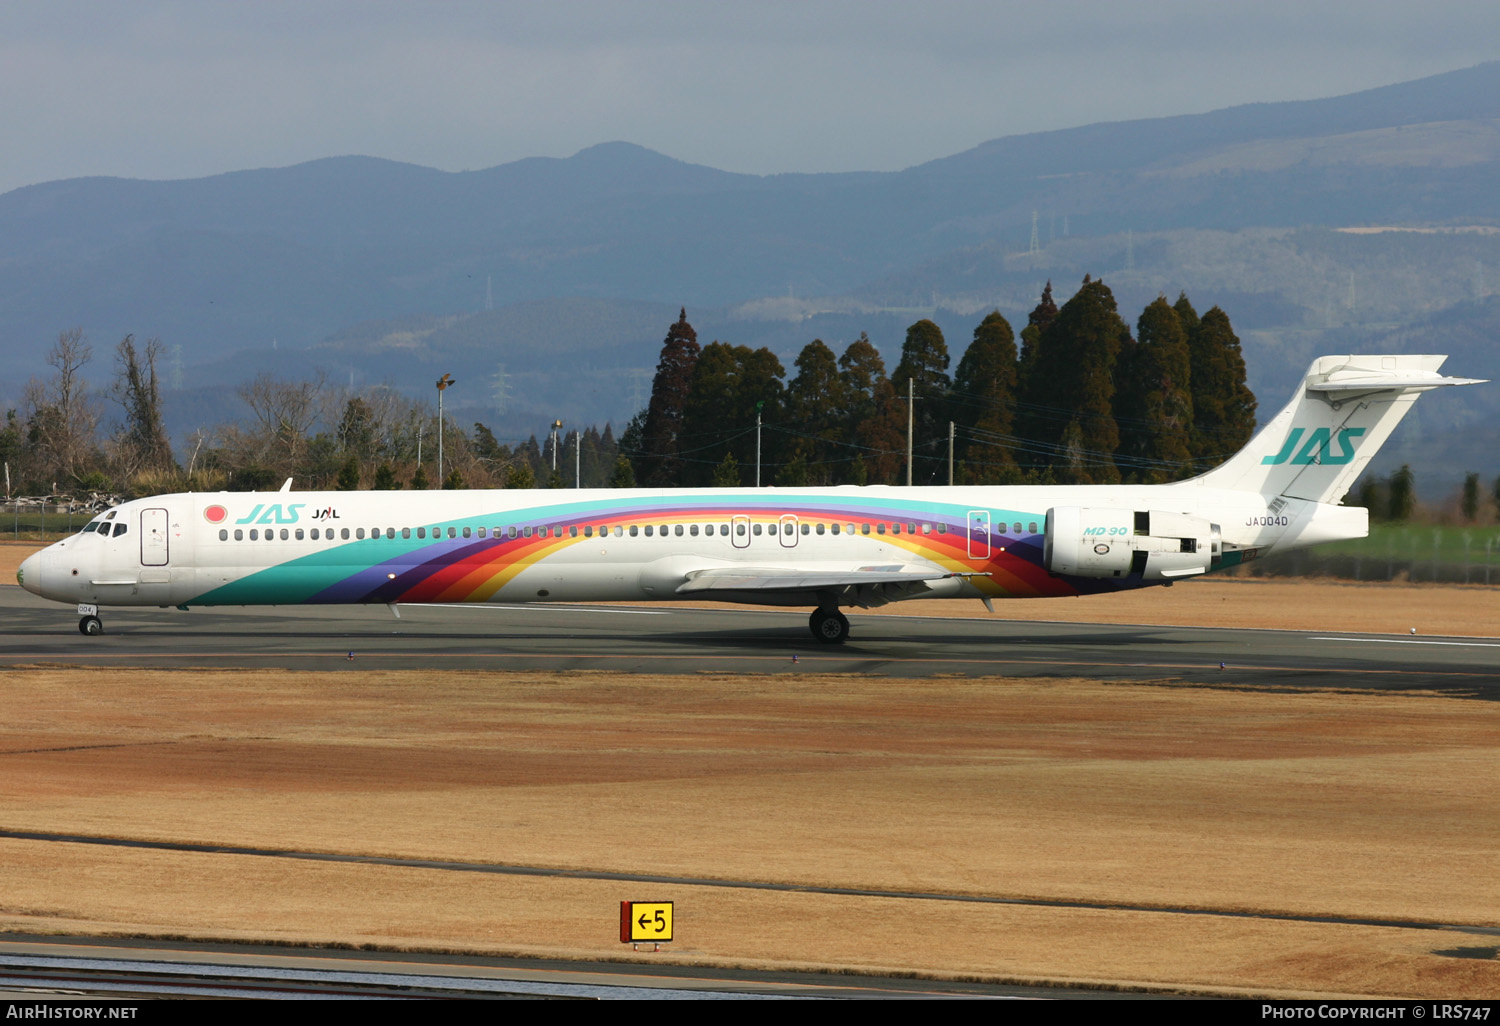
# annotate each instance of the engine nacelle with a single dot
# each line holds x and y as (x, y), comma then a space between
(1155, 544)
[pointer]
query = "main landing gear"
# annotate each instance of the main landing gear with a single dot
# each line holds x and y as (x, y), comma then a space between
(91, 625)
(829, 627)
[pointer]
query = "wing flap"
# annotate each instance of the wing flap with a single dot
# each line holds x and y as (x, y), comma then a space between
(761, 578)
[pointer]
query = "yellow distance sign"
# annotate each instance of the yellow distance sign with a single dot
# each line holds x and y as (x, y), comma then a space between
(645, 921)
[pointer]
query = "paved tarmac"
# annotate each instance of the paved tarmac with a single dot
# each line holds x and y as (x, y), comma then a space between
(669, 639)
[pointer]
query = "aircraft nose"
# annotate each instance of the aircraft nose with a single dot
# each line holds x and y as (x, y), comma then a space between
(29, 573)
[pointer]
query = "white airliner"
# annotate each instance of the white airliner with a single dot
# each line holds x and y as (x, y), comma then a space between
(825, 548)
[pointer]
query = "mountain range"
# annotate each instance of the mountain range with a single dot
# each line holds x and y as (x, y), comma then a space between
(1366, 221)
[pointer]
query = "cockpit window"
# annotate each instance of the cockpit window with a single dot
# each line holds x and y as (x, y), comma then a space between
(120, 528)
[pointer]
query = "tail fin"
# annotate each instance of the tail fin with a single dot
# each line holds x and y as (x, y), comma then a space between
(1344, 410)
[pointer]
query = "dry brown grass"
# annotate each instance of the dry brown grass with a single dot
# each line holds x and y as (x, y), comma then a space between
(1351, 804)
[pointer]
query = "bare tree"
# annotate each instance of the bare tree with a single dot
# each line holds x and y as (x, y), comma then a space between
(285, 411)
(143, 443)
(61, 416)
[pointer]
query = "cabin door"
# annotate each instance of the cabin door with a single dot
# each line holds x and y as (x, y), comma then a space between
(154, 537)
(740, 531)
(979, 534)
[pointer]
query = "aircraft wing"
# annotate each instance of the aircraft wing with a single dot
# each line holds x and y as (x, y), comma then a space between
(774, 578)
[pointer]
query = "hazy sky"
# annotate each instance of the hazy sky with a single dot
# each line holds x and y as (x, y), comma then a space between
(162, 89)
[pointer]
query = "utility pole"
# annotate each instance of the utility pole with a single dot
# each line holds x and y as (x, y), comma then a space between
(442, 386)
(758, 407)
(577, 459)
(950, 454)
(910, 394)
(556, 426)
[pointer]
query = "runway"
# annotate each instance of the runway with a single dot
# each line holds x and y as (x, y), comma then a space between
(668, 639)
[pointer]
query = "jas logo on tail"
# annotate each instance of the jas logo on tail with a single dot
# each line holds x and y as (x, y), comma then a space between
(1315, 449)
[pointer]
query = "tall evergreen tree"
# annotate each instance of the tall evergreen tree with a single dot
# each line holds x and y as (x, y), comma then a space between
(984, 398)
(1034, 417)
(1153, 398)
(814, 401)
(719, 416)
(659, 464)
(924, 363)
(1223, 405)
(1074, 371)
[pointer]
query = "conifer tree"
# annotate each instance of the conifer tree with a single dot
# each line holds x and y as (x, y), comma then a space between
(1033, 416)
(984, 397)
(814, 401)
(1223, 405)
(924, 363)
(1074, 372)
(728, 384)
(659, 463)
(1153, 398)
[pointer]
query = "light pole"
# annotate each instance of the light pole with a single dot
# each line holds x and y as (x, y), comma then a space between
(556, 426)
(442, 386)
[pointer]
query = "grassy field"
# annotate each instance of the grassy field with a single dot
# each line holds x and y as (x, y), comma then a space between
(1154, 796)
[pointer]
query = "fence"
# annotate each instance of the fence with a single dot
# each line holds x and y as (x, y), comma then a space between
(51, 516)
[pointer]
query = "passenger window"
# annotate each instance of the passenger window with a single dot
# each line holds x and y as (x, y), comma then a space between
(648, 530)
(880, 527)
(510, 532)
(421, 532)
(849, 528)
(926, 528)
(254, 534)
(390, 532)
(299, 534)
(223, 534)
(406, 532)
(239, 535)
(314, 534)
(864, 528)
(835, 528)
(481, 532)
(693, 530)
(635, 530)
(911, 528)
(755, 530)
(1016, 527)
(572, 530)
(359, 533)
(284, 534)
(468, 533)
(1031, 527)
(526, 531)
(739, 529)
(820, 528)
(942, 527)
(452, 532)
(588, 530)
(806, 528)
(678, 531)
(619, 531)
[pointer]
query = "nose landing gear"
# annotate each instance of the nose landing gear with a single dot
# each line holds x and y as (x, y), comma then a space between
(91, 625)
(829, 626)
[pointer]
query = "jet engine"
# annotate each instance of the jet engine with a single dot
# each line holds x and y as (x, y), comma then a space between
(1155, 544)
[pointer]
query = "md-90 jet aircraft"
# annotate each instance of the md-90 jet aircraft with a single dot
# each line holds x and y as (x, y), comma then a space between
(826, 548)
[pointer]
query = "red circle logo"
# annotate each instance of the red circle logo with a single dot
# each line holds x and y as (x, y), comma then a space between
(215, 514)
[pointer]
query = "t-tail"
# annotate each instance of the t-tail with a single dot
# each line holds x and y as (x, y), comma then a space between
(1316, 447)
